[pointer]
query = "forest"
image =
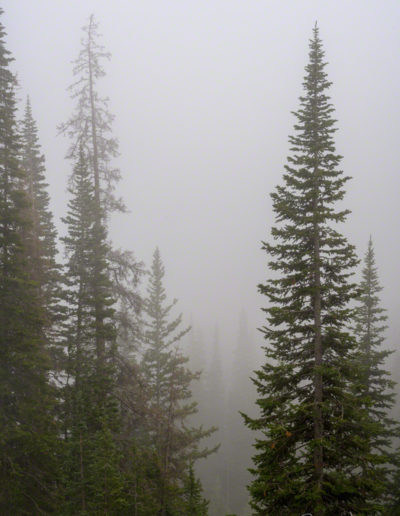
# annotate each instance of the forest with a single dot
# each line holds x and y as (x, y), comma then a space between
(116, 400)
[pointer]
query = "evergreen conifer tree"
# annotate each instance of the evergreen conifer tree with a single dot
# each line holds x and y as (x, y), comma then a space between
(107, 283)
(168, 380)
(40, 237)
(370, 326)
(89, 129)
(195, 504)
(28, 432)
(93, 479)
(375, 386)
(314, 430)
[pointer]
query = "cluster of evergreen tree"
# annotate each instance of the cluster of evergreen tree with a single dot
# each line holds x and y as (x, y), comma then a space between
(95, 394)
(326, 443)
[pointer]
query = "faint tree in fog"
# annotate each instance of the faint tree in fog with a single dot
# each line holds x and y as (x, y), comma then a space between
(90, 124)
(374, 383)
(169, 382)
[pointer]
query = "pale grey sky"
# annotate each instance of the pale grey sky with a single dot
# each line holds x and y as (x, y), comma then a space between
(202, 93)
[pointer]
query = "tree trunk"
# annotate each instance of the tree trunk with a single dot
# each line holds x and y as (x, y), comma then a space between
(318, 390)
(100, 343)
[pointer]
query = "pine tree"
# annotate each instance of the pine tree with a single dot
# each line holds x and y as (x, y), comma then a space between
(93, 479)
(370, 326)
(40, 237)
(375, 386)
(28, 433)
(89, 129)
(107, 287)
(314, 430)
(168, 380)
(195, 504)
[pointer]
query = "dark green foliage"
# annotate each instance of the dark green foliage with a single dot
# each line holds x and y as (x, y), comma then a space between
(40, 236)
(393, 504)
(93, 479)
(141, 468)
(118, 441)
(28, 434)
(314, 430)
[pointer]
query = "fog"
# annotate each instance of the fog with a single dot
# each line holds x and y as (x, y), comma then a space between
(202, 94)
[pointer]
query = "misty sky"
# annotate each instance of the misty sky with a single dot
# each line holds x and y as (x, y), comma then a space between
(202, 93)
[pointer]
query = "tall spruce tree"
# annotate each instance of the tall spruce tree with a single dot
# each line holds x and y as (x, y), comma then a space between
(109, 281)
(90, 130)
(314, 430)
(40, 237)
(28, 433)
(375, 386)
(168, 381)
(370, 325)
(93, 479)
(93, 147)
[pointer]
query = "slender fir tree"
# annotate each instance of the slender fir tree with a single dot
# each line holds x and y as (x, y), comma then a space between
(375, 386)
(40, 237)
(28, 433)
(90, 129)
(93, 479)
(370, 326)
(195, 504)
(168, 380)
(108, 280)
(314, 430)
